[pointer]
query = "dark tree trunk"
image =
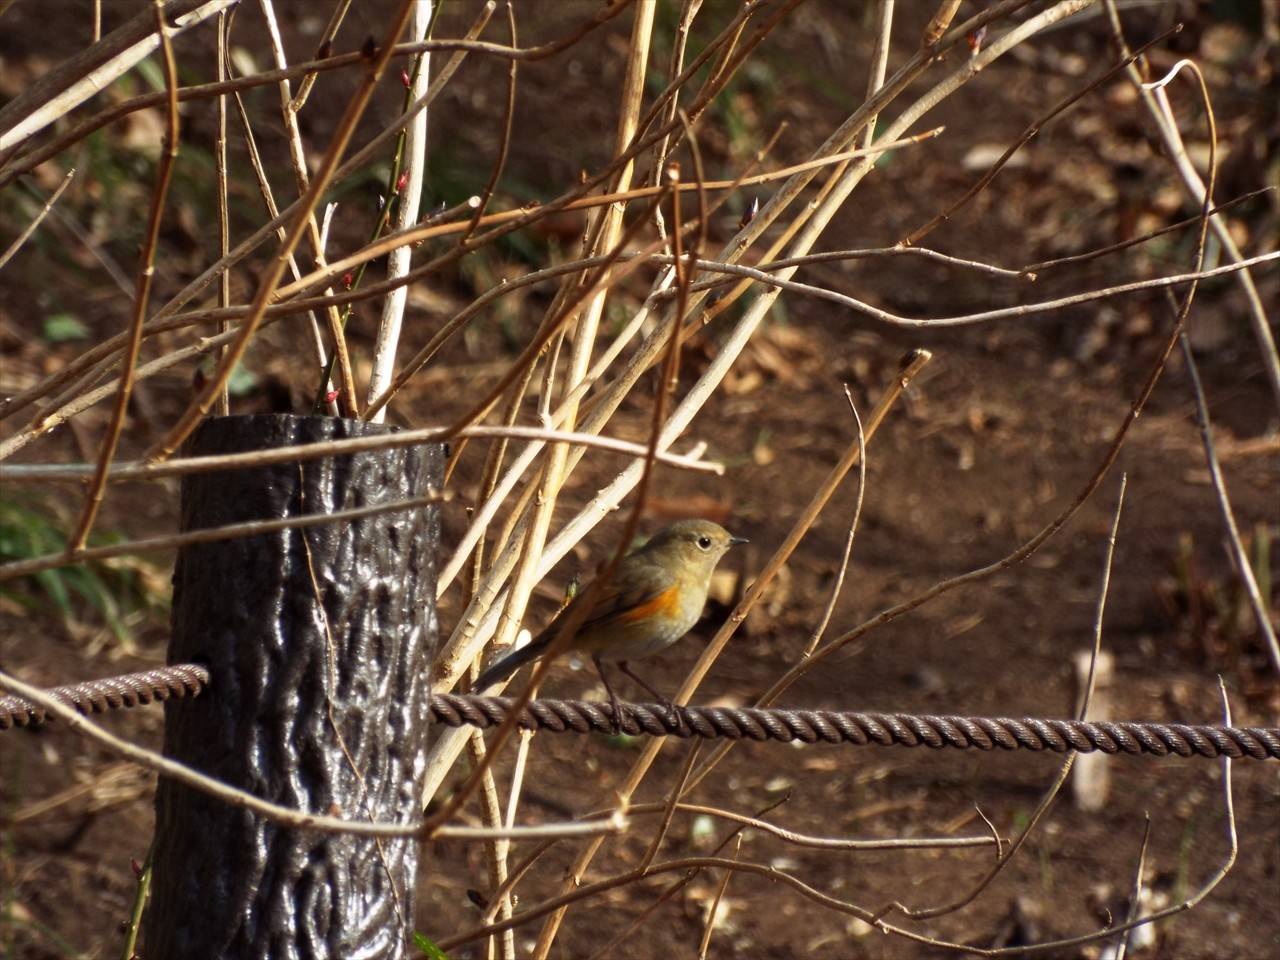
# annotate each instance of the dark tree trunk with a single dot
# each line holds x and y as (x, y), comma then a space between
(319, 641)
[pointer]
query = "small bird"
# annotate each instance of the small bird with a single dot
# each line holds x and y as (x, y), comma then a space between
(653, 599)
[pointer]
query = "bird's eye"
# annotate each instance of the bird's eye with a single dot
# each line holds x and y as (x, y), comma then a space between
(704, 543)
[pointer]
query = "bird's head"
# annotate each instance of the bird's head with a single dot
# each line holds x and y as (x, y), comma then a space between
(696, 544)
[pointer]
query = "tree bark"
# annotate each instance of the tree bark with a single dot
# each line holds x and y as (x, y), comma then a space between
(319, 641)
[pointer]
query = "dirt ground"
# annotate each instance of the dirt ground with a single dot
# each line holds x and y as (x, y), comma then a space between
(1003, 429)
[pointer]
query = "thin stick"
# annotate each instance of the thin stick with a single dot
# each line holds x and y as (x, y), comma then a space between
(1241, 556)
(512, 219)
(137, 470)
(146, 273)
(673, 888)
(268, 197)
(504, 142)
(669, 805)
(326, 40)
(32, 159)
(1157, 104)
(408, 202)
(914, 362)
(560, 902)
(984, 316)
(709, 927)
(462, 647)
(492, 810)
(502, 848)
(365, 153)
(822, 843)
(348, 403)
(1028, 135)
(542, 831)
(865, 253)
(320, 182)
(613, 235)
(39, 218)
(141, 892)
(1064, 770)
(285, 816)
(223, 406)
(880, 61)
(1034, 268)
(1135, 895)
(688, 12)
(823, 621)
(492, 503)
(21, 568)
(70, 93)
(167, 319)
(1027, 548)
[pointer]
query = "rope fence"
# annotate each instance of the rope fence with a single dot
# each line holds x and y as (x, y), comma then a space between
(733, 723)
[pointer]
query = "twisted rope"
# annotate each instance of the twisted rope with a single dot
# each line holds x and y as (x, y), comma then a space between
(807, 726)
(110, 693)
(865, 729)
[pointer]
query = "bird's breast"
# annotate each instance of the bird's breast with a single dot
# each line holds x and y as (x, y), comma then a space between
(651, 627)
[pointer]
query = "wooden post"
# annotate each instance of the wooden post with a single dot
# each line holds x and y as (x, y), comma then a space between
(319, 641)
(1091, 775)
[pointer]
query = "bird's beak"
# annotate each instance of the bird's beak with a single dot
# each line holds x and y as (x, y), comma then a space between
(734, 541)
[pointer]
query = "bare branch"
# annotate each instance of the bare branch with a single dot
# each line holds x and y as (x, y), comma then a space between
(142, 298)
(43, 473)
(76, 80)
(21, 568)
(37, 220)
(1241, 556)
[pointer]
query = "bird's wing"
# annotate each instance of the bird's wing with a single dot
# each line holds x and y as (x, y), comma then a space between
(649, 590)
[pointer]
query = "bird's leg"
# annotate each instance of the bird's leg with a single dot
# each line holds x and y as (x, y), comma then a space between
(613, 697)
(671, 707)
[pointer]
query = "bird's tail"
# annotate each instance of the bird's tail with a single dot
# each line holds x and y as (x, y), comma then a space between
(510, 664)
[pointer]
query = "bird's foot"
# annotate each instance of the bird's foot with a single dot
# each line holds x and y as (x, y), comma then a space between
(616, 709)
